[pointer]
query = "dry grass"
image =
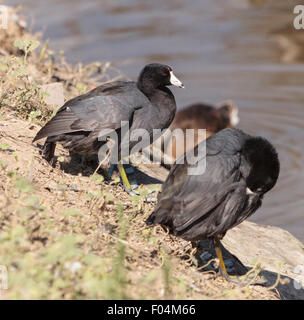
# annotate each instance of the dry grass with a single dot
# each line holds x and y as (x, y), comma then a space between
(65, 236)
(26, 64)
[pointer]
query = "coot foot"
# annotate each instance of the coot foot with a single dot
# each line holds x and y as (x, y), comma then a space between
(249, 278)
(127, 186)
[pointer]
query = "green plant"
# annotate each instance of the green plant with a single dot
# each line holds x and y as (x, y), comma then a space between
(19, 92)
(27, 45)
(166, 275)
(117, 281)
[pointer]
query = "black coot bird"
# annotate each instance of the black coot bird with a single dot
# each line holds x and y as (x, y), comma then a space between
(146, 104)
(240, 169)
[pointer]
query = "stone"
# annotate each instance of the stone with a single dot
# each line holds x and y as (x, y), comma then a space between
(55, 96)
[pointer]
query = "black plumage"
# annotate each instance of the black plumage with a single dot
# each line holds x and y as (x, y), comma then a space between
(240, 169)
(146, 104)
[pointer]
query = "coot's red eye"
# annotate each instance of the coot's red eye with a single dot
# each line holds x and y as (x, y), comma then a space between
(164, 74)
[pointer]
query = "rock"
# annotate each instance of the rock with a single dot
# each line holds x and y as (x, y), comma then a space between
(277, 251)
(55, 95)
(73, 187)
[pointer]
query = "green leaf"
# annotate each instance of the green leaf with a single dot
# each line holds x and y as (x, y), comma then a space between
(97, 178)
(19, 44)
(3, 164)
(34, 44)
(109, 197)
(35, 114)
(81, 87)
(4, 146)
(71, 212)
(32, 201)
(26, 44)
(115, 180)
(21, 71)
(23, 185)
(3, 67)
(45, 94)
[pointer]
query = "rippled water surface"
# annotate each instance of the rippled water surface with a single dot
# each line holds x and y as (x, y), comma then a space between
(246, 51)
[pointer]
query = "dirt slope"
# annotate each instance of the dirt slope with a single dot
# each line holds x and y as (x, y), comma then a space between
(62, 234)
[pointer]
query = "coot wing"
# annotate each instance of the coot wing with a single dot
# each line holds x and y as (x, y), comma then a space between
(102, 108)
(187, 198)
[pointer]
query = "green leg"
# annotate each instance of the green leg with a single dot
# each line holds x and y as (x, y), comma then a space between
(125, 180)
(124, 177)
(243, 280)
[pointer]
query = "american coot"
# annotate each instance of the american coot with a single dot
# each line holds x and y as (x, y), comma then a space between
(240, 169)
(146, 104)
(199, 116)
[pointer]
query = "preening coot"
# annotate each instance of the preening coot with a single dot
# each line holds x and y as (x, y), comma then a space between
(240, 169)
(146, 104)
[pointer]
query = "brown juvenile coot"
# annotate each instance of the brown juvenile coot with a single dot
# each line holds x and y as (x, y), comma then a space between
(240, 169)
(199, 116)
(146, 104)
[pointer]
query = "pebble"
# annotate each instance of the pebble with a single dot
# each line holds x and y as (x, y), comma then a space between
(74, 187)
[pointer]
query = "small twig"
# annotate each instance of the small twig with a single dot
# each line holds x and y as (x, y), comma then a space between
(206, 265)
(278, 280)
